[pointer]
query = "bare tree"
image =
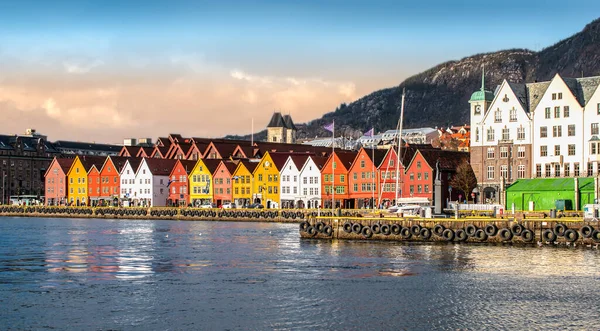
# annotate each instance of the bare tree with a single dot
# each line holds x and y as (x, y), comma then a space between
(464, 180)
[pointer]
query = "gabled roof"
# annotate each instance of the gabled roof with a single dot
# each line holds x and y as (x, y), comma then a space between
(88, 161)
(129, 150)
(117, 161)
(346, 157)
(249, 165)
(279, 159)
(535, 92)
(160, 167)
(211, 164)
(134, 162)
(225, 150)
(299, 160)
(65, 164)
(160, 151)
(319, 161)
(144, 152)
(448, 160)
(188, 165)
(230, 165)
(520, 91)
(276, 121)
(379, 155)
(287, 120)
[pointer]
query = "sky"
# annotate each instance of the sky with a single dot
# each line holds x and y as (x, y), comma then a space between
(102, 71)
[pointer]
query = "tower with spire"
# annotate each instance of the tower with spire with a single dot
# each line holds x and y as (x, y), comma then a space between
(479, 103)
(281, 129)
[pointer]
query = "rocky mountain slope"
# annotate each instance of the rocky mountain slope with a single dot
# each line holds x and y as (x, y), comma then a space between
(439, 96)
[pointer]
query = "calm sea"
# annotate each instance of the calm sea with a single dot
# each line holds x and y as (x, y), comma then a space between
(166, 275)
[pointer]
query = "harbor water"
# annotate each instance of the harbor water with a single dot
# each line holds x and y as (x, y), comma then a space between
(167, 275)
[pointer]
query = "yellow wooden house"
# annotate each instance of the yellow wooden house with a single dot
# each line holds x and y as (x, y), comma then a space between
(242, 183)
(201, 182)
(77, 179)
(266, 179)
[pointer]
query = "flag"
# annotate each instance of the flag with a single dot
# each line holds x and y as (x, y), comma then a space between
(329, 127)
(170, 182)
(369, 133)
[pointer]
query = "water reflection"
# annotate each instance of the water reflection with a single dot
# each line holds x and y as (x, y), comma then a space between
(64, 274)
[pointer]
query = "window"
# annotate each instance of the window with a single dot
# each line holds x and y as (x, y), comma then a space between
(553, 96)
(557, 131)
(557, 170)
(355, 176)
(490, 134)
(362, 163)
(498, 116)
(504, 152)
(412, 189)
(504, 171)
(521, 171)
(576, 167)
(571, 149)
(594, 128)
(419, 189)
(593, 149)
(543, 132)
(419, 176)
(598, 110)
(556, 112)
(567, 169)
(559, 96)
(418, 164)
(355, 187)
(538, 170)
(476, 134)
(513, 115)
(505, 134)
(342, 178)
(571, 130)
(490, 172)
(426, 175)
(548, 170)
(566, 111)
(521, 133)
(590, 169)
(547, 113)
(412, 176)
(556, 150)
(426, 188)
(521, 152)
(543, 150)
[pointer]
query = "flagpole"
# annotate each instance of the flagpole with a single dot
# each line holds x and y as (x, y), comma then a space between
(373, 172)
(399, 144)
(332, 167)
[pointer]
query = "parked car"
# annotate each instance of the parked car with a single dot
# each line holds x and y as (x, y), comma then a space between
(228, 205)
(256, 206)
(208, 205)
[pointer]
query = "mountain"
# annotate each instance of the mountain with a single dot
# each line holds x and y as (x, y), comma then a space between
(439, 96)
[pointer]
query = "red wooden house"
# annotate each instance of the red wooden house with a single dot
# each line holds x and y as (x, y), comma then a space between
(222, 178)
(335, 171)
(179, 188)
(110, 180)
(363, 179)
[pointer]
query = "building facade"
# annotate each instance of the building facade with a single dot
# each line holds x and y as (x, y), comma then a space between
(281, 129)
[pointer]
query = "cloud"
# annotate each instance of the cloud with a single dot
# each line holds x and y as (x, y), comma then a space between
(79, 67)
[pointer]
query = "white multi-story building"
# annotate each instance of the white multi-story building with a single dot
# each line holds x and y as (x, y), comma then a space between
(310, 181)
(150, 188)
(289, 184)
(542, 129)
(564, 122)
(127, 177)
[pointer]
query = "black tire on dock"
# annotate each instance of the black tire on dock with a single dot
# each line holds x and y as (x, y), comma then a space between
(347, 227)
(571, 235)
(586, 231)
(311, 231)
(528, 236)
(559, 229)
(448, 234)
(548, 235)
(596, 236)
(320, 226)
(405, 233)
(376, 228)
(395, 229)
(471, 230)
(505, 234)
(516, 229)
(461, 235)
(357, 228)
(481, 235)
(415, 230)
(491, 230)
(328, 230)
(425, 233)
(385, 230)
(304, 225)
(366, 232)
(438, 229)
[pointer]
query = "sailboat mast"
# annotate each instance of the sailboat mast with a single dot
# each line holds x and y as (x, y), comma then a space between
(399, 128)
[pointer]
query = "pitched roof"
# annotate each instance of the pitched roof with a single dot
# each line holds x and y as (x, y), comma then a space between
(287, 119)
(250, 165)
(131, 150)
(378, 153)
(346, 157)
(279, 159)
(63, 144)
(535, 91)
(92, 161)
(188, 165)
(160, 167)
(230, 165)
(319, 161)
(276, 121)
(299, 160)
(211, 164)
(134, 162)
(118, 161)
(448, 160)
(65, 163)
(520, 91)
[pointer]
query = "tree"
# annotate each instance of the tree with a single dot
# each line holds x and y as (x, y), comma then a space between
(464, 180)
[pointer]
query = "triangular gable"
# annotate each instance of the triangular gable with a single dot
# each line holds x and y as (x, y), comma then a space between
(557, 79)
(76, 162)
(211, 152)
(195, 150)
(288, 163)
(54, 161)
(503, 91)
(239, 153)
(265, 158)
